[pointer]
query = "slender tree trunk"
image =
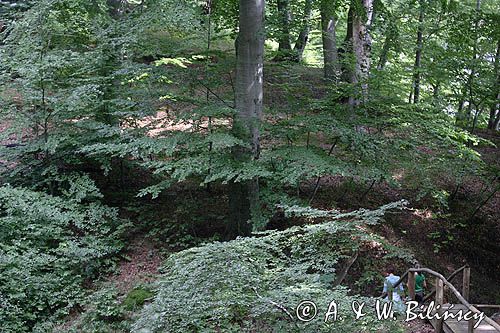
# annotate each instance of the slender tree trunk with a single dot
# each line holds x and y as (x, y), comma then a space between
(460, 117)
(495, 104)
(435, 93)
(329, 39)
(362, 47)
(348, 59)
(285, 46)
(475, 119)
(301, 42)
(484, 202)
(346, 56)
(391, 35)
(383, 54)
(496, 124)
(494, 119)
(244, 196)
(418, 55)
(470, 81)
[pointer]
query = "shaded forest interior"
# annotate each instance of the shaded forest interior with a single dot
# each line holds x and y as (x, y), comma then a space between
(241, 156)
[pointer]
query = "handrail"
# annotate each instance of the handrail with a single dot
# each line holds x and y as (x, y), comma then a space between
(402, 278)
(449, 285)
(492, 306)
(449, 278)
(457, 294)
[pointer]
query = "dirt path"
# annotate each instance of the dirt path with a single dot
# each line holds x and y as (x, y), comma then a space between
(418, 326)
(141, 266)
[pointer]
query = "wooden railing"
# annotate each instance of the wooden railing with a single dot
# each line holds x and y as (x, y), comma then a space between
(441, 282)
(450, 279)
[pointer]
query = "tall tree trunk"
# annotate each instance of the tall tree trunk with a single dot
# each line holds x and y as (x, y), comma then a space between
(418, 55)
(301, 42)
(496, 124)
(470, 81)
(383, 54)
(475, 119)
(460, 115)
(391, 35)
(494, 118)
(329, 39)
(244, 196)
(361, 43)
(495, 104)
(435, 93)
(284, 44)
(347, 58)
(345, 53)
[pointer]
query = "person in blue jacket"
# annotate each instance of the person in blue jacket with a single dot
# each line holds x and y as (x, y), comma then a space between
(394, 294)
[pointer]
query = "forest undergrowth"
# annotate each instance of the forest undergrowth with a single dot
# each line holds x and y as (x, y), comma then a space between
(188, 215)
(240, 157)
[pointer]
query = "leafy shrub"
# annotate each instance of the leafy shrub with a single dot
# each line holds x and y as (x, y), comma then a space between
(136, 298)
(103, 312)
(50, 246)
(246, 284)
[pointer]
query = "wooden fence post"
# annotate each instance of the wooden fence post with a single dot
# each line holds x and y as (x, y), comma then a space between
(439, 302)
(466, 284)
(411, 285)
(470, 327)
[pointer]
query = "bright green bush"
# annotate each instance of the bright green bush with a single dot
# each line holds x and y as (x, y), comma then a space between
(239, 286)
(49, 247)
(136, 298)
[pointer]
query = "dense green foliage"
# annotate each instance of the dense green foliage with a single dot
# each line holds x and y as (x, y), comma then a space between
(50, 246)
(255, 283)
(113, 108)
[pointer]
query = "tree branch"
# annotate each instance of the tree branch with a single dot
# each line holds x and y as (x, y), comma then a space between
(277, 305)
(345, 270)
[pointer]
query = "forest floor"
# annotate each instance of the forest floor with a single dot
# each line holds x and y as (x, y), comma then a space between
(141, 265)
(418, 326)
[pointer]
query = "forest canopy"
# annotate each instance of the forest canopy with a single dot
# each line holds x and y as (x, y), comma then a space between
(240, 156)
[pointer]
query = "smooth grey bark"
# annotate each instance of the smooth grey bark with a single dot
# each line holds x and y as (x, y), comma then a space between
(470, 81)
(496, 123)
(383, 54)
(361, 44)
(391, 35)
(345, 53)
(494, 119)
(244, 196)
(329, 39)
(284, 43)
(460, 110)
(418, 56)
(475, 119)
(301, 42)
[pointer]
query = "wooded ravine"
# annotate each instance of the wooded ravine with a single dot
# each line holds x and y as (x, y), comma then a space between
(209, 165)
